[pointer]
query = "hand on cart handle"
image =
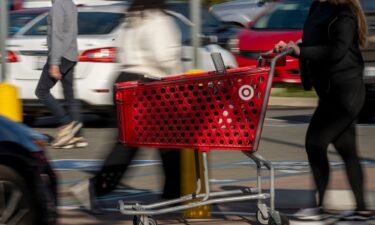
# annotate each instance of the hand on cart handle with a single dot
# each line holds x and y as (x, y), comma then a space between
(282, 46)
(282, 51)
(275, 57)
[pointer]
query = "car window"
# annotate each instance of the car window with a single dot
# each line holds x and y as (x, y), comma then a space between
(94, 23)
(39, 28)
(368, 5)
(19, 20)
(287, 16)
(208, 19)
(89, 23)
(184, 28)
(13, 5)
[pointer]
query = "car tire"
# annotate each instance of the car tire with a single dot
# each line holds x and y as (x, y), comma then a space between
(18, 205)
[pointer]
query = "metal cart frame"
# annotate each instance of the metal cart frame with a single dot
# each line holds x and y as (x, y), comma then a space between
(265, 215)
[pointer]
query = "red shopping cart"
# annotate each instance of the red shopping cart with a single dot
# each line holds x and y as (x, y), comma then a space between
(221, 110)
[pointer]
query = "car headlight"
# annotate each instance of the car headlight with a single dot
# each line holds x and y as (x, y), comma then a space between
(233, 45)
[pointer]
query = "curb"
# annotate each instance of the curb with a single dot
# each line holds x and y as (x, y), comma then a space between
(294, 199)
(335, 200)
(293, 101)
(344, 200)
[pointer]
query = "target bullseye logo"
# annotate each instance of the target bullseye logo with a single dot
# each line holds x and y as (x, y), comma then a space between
(246, 92)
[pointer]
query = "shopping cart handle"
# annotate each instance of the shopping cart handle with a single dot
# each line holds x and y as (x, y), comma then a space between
(271, 57)
(286, 52)
(271, 54)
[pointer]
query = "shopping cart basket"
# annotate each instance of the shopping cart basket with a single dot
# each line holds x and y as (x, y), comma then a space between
(221, 110)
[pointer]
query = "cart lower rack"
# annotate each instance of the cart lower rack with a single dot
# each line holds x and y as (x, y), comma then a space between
(208, 111)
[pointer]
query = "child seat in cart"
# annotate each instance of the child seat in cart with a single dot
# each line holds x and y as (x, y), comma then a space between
(220, 110)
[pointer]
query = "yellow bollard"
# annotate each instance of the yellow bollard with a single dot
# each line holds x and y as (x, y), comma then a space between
(188, 178)
(188, 186)
(10, 104)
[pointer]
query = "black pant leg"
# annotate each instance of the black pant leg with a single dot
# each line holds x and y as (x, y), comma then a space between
(120, 157)
(171, 161)
(316, 148)
(113, 169)
(332, 122)
(67, 72)
(43, 92)
(346, 146)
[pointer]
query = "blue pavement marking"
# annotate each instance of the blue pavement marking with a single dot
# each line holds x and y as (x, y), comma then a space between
(285, 165)
(71, 182)
(92, 164)
(280, 165)
(370, 125)
(288, 168)
(119, 194)
(221, 182)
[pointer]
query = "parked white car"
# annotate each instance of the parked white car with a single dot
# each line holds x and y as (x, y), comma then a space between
(99, 28)
(48, 3)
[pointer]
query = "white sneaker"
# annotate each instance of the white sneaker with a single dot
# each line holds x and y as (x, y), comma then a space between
(315, 214)
(82, 192)
(66, 133)
(75, 142)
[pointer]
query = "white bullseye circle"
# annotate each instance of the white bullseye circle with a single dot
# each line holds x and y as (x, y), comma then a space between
(246, 92)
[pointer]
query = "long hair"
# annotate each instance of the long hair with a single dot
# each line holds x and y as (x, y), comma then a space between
(140, 5)
(361, 19)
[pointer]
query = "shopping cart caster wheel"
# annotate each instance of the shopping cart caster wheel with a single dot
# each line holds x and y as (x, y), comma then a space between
(138, 220)
(261, 218)
(282, 220)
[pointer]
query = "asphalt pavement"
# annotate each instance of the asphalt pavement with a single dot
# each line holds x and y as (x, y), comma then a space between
(282, 142)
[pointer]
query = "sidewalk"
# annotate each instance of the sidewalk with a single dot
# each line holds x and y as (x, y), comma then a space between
(293, 102)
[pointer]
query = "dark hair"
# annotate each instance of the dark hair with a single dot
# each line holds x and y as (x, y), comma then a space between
(361, 18)
(140, 5)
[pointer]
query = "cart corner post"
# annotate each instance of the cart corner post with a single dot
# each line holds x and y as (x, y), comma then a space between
(189, 177)
(10, 104)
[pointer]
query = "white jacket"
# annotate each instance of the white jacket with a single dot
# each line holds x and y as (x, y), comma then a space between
(151, 44)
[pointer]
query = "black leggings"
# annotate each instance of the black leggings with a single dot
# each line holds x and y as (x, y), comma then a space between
(120, 157)
(334, 122)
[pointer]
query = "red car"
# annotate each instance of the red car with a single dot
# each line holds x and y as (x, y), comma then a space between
(15, 4)
(280, 21)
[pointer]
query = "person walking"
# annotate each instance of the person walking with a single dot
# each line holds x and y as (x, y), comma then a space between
(62, 58)
(331, 62)
(150, 49)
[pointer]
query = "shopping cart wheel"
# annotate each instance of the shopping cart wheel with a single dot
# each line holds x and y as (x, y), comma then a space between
(278, 219)
(138, 220)
(261, 218)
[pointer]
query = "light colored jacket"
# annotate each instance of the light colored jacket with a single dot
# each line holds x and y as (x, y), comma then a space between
(151, 44)
(62, 32)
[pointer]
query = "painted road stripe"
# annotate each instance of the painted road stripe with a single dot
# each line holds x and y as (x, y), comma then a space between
(215, 181)
(94, 165)
(297, 124)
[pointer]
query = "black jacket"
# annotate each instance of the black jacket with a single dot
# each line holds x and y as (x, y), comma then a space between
(330, 44)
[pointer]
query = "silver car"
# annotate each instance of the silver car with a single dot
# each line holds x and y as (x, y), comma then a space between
(239, 12)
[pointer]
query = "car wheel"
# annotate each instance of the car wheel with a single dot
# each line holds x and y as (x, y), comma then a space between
(16, 202)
